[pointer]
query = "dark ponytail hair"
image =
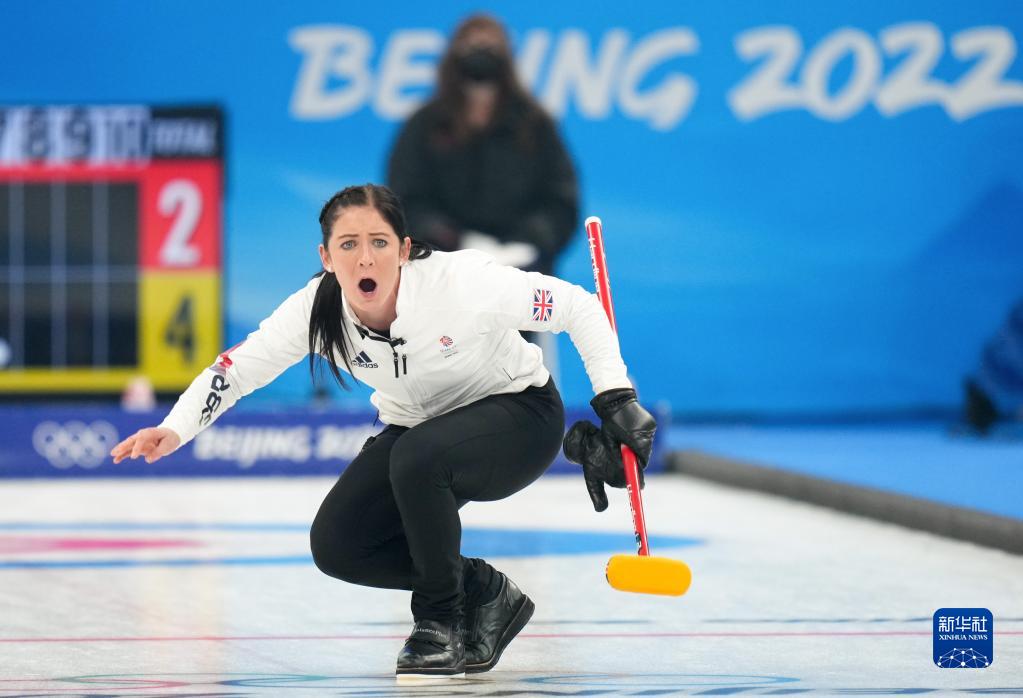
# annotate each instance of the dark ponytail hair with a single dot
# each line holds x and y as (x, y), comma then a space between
(326, 323)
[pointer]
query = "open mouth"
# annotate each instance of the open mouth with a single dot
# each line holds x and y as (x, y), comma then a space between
(367, 285)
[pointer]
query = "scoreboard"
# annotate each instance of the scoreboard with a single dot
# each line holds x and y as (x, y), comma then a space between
(111, 226)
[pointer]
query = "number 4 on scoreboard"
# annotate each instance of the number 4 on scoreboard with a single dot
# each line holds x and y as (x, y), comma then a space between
(180, 328)
(180, 331)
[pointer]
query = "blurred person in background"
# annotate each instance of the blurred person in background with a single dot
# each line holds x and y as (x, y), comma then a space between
(471, 414)
(995, 390)
(481, 165)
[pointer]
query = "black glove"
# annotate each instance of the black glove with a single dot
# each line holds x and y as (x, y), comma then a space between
(623, 420)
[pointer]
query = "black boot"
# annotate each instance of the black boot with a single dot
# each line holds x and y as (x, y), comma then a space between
(434, 649)
(491, 626)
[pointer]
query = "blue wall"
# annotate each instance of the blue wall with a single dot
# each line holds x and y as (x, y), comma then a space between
(841, 238)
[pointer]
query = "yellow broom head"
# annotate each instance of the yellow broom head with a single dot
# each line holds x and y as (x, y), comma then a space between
(646, 574)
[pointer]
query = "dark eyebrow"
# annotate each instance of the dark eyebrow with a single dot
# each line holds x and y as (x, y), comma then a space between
(355, 235)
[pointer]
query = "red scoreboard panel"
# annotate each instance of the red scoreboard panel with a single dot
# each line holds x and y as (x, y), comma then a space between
(111, 227)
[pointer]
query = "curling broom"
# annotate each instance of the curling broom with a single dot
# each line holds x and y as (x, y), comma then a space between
(642, 573)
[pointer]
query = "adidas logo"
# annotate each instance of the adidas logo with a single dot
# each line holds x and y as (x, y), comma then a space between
(362, 360)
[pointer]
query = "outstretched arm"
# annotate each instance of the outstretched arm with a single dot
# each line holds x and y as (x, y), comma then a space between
(279, 342)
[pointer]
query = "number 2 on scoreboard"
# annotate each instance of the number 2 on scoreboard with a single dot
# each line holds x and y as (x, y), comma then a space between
(181, 221)
(182, 200)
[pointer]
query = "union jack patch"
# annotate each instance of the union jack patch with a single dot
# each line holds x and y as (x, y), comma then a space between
(543, 304)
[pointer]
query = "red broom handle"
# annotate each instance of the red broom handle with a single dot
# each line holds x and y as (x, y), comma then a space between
(595, 235)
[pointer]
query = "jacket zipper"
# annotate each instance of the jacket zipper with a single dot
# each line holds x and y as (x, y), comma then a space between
(392, 343)
(404, 357)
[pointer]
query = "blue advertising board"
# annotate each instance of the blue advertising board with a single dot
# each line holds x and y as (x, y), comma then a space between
(75, 441)
(809, 207)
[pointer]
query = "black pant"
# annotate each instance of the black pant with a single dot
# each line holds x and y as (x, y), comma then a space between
(391, 520)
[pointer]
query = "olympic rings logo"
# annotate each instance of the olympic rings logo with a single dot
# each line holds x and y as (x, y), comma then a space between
(74, 443)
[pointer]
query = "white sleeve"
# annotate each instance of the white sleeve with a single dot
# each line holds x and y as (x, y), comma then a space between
(281, 341)
(535, 302)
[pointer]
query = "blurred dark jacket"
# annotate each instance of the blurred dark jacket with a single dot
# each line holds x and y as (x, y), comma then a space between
(513, 181)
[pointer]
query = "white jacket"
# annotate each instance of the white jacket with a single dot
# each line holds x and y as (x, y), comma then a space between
(455, 341)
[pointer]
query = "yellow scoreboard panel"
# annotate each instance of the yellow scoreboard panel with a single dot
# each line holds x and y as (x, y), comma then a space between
(111, 230)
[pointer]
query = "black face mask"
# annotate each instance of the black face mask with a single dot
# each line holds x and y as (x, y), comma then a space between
(481, 65)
